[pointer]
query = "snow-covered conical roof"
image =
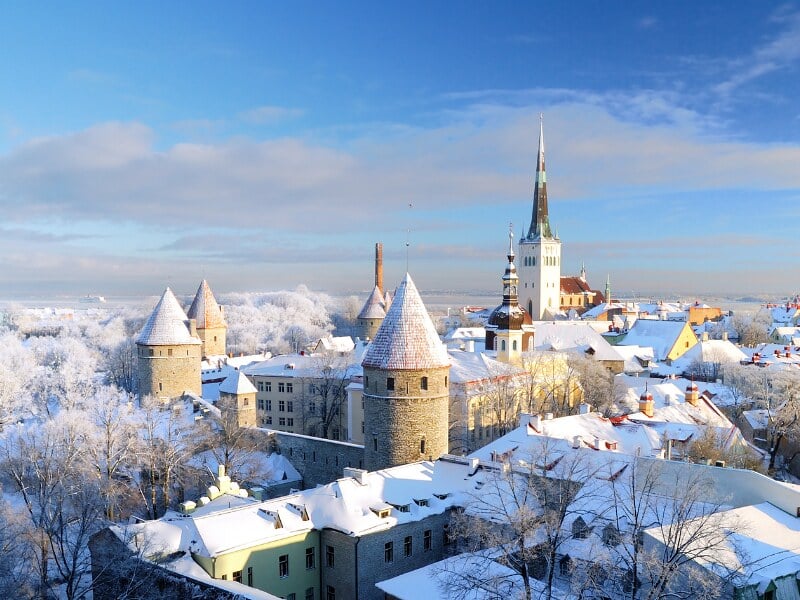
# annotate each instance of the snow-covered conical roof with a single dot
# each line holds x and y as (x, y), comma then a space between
(204, 308)
(237, 383)
(407, 338)
(166, 325)
(373, 307)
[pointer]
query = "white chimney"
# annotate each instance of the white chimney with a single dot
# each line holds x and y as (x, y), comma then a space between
(584, 408)
(524, 419)
(548, 416)
(576, 442)
(536, 422)
(704, 337)
(469, 346)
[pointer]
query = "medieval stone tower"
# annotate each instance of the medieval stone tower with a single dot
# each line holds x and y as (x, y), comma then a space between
(168, 352)
(210, 319)
(406, 387)
(237, 400)
(374, 310)
(504, 331)
(540, 252)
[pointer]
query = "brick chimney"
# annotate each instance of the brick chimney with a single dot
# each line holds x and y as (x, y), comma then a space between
(379, 266)
(646, 404)
(692, 394)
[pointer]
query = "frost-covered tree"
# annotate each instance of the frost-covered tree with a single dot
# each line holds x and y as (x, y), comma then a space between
(278, 322)
(45, 466)
(17, 368)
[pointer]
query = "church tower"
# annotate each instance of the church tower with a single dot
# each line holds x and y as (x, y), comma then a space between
(406, 387)
(168, 352)
(210, 319)
(504, 328)
(540, 252)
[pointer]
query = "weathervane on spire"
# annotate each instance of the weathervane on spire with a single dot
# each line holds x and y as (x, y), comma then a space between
(541, 117)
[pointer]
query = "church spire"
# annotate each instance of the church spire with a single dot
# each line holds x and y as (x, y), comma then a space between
(540, 219)
(510, 279)
(608, 288)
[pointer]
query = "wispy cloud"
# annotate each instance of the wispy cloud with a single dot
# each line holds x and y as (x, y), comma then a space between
(779, 52)
(266, 115)
(647, 22)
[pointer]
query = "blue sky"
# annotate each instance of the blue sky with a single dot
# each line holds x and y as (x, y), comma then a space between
(264, 145)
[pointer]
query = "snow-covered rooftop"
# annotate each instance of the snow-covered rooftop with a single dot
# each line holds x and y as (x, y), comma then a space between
(167, 324)
(407, 338)
(709, 351)
(658, 335)
(572, 336)
(237, 383)
(374, 307)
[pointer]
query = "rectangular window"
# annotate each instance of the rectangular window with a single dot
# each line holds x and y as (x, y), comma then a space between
(390, 383)
(407, 546)
(267, 386)
(260, 386)
(289, 406)
(268, 420)
(312, 408)
(330, 592)
(290, 422)
(268, 404)
(289, 388)
(388, 552)
(281, 421)
(309, 558)
(281, 387)
(261, 404)
(283, 565)
(237, 576)
(329, 556)
(250, 576)
(424, 383)
(169, 351)
(309, 593)
(281, 406)
(426, 540)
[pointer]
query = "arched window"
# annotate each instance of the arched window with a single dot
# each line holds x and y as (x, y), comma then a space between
(502, 345)
(423, 384)
(530, 310)
(565, 566)
(514, 345)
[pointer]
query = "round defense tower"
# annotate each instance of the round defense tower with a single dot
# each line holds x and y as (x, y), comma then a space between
(210, 319)
(406, 386)
(168, 352)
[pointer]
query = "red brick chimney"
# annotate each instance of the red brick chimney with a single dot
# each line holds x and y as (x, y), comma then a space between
(379, 266)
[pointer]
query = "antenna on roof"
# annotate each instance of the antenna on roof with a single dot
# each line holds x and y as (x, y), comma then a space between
(408, 233)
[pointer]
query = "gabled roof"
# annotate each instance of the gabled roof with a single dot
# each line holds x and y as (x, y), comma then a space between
(407, 338)
(237, 383)
(166, 325)
(659, 335)
(205, 309)
(574, 285)
(374, 306)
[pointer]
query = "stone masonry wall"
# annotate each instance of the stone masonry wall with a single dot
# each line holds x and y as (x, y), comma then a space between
(359, 563)
(397, 421)
(210, 346)
(170, 370)
(318, 460)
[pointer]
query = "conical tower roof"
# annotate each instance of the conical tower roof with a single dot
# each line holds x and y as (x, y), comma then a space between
(236, 384)
(407, 338)
(205, 310)
(373, 308)
(166, 325)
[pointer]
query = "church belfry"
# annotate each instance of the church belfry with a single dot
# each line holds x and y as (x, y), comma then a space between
(540, 251)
